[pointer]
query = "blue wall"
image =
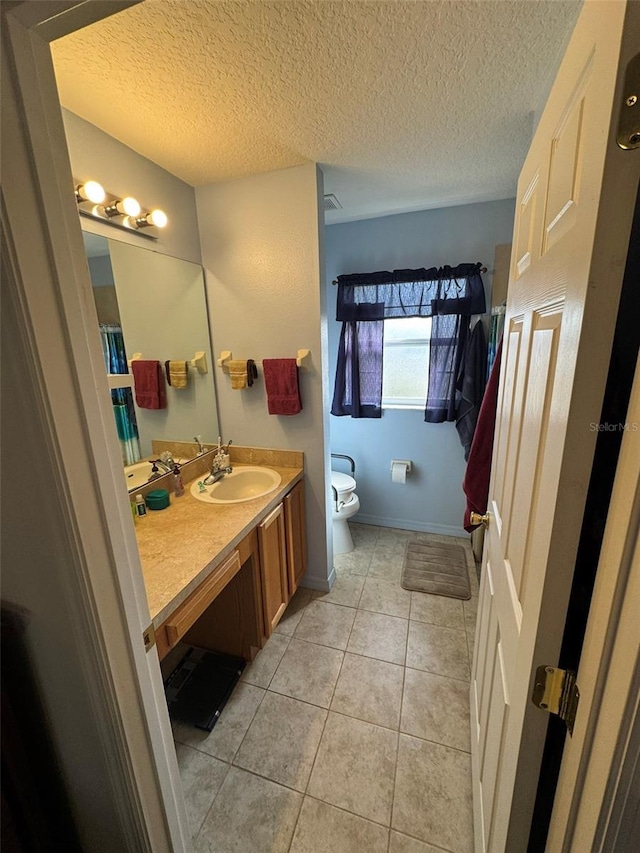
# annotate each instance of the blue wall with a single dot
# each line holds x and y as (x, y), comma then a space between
(432, 498)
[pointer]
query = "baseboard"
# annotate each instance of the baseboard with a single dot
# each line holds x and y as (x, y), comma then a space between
(403, 524)
(321, 584)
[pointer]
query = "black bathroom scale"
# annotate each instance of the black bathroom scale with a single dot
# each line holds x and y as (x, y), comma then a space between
(198, 688)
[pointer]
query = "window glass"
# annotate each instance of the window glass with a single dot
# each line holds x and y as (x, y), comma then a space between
(406, 362)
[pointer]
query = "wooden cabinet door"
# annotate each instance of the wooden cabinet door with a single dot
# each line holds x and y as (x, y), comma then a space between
(296, 536)
(273, 563)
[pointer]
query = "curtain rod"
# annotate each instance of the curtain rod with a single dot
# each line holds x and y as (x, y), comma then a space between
(482, 270)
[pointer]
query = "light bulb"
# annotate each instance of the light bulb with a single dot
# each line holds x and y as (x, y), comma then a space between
(90, 191)
(129, 206)
(158, 218)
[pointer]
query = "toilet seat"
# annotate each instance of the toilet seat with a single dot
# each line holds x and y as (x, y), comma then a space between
(345, 509)
(344, 485)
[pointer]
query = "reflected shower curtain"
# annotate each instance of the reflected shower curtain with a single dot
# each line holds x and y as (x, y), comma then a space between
(115, 359)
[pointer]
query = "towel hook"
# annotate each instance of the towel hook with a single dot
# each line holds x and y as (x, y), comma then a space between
(303, 360)
(199, 361)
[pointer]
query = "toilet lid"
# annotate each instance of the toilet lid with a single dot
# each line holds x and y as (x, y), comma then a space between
(342, 482)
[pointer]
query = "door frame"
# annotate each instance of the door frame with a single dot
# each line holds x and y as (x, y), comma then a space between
(64, 374)
(591, 778)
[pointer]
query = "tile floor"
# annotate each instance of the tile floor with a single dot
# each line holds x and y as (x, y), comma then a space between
(349, 733)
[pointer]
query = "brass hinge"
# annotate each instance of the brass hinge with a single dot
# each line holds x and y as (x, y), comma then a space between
(555, 690)
(149, 637)
(628, 135)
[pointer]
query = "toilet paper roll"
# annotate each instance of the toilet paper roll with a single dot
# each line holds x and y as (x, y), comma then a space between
(399, 472)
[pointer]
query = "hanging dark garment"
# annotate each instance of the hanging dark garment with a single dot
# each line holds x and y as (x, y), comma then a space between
(476, 479)
(471, 384)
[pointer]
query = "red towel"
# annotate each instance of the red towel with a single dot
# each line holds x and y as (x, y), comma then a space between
(281, 382)
(478, 473)
(148, 379)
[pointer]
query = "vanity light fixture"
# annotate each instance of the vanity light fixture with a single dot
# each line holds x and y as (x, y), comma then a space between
(156, 217)
(90, 191)
(128, 206)
(122, 212)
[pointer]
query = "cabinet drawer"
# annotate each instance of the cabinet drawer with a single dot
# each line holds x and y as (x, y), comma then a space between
(183, 618)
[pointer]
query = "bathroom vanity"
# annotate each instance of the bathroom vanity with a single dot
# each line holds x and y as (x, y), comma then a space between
(220, 576)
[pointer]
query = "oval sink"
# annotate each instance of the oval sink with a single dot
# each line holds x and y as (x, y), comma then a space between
(243, 484)
(137, 474)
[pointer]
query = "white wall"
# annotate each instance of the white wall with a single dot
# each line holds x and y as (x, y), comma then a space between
(261, 248)
(432, 498)
(36, 577)
(94, 154)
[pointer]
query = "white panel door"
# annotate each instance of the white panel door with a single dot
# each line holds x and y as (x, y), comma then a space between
(573, 214)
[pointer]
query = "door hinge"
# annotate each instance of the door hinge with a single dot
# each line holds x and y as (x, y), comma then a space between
(628, 136)
(555, 690)
(149, 637)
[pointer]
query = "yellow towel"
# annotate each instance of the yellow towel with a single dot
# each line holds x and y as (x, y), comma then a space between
(238, 374)
(179, 373)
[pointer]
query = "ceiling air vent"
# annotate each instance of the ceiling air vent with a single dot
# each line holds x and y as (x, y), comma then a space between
(331, 202)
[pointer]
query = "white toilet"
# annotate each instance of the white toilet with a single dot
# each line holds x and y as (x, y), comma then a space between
(344, 504)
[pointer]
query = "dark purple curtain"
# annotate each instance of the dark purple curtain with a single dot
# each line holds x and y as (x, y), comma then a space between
(446, 348)
(358, 386)
(450, 295)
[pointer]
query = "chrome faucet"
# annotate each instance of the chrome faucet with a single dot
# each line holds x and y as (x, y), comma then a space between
(216, 474)
(167, 457)
(218, 469)
(155, 473)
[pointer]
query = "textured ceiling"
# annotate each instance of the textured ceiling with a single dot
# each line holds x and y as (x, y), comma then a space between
(406, 105)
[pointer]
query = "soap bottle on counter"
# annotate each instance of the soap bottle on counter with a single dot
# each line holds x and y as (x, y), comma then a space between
(141, 507)
(178, 485)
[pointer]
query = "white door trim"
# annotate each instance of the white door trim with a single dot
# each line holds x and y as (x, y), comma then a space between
(64, 370)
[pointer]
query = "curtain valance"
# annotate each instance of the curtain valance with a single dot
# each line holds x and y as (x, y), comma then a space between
(411, 293)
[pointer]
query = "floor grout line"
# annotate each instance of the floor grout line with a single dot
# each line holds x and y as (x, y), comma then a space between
(253, 716)
(395, 774)
(315, 757)
(194, 838)
(333, 693)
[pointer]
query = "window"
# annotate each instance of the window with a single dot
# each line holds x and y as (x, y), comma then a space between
(405, 371)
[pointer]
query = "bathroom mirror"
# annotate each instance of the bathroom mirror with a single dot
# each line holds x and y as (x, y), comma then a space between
(152, 304)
